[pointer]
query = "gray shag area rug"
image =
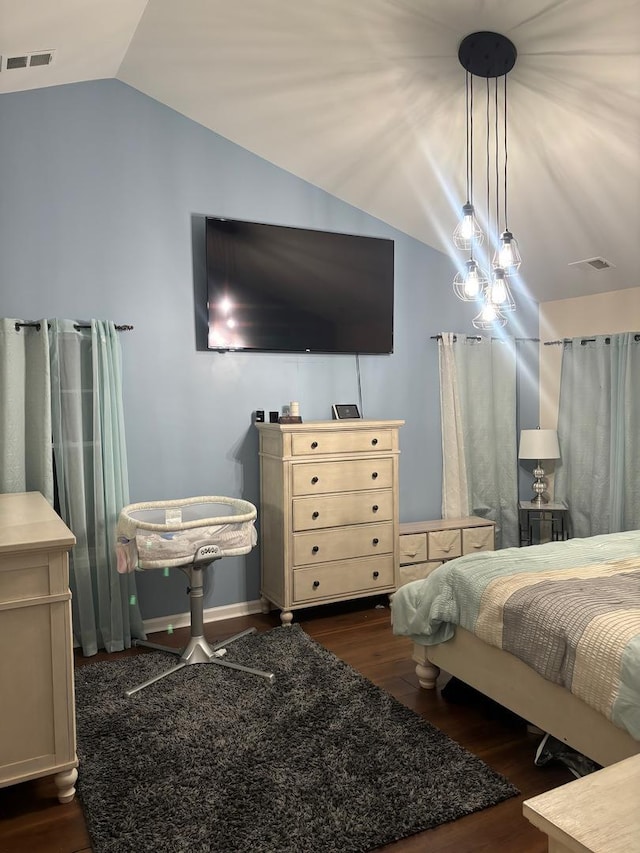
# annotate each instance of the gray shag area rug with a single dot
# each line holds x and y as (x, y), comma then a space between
(209, 760)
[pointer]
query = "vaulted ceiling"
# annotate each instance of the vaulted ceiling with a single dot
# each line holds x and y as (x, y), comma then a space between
(366, 99)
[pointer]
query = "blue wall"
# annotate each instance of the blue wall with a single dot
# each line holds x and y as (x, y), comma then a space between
(103, 193)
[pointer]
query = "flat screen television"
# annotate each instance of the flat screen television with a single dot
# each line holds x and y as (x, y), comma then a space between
(274, 288)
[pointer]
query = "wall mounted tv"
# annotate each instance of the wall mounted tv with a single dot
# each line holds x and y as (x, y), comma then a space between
(273, 288)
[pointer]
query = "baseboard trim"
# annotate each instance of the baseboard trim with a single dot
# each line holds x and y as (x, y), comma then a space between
(211, 614)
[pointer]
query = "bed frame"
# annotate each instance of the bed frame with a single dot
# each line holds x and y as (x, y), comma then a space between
(510, 682)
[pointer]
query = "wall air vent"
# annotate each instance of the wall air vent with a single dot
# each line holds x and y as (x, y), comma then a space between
(37, 59)
(593, 263)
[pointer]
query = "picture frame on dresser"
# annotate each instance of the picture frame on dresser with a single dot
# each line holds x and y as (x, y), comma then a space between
(344, 411)
(328, 513)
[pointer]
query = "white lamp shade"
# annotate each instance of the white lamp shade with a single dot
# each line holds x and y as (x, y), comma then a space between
(539, 444)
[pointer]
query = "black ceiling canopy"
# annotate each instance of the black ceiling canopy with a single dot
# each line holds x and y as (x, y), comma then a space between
(487, 54)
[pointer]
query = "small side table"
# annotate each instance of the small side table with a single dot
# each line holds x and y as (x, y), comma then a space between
(595, 814)
(539, 523)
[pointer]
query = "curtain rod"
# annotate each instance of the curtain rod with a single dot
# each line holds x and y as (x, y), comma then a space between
(479, 338)
(584, 341)
(76, 326)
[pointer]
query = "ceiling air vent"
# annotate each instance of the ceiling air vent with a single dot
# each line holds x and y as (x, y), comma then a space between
(17, 62)
(593, 263)
(43, 58)
(36, 59)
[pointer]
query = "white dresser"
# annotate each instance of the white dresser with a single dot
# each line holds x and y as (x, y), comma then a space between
(328, 512)
(425, 545)
(37, 714)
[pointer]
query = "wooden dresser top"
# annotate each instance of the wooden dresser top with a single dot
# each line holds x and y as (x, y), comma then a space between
(599, 812)
(28, 522)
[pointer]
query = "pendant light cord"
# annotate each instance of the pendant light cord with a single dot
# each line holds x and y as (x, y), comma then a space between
(469, 88)
(488, 168)
(497, 164)
(466, 98)
(506, 219)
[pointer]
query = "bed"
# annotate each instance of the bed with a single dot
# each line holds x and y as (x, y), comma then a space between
(550, 631)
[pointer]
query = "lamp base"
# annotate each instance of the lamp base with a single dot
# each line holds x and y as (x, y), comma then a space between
(539, 486)
(539, 500)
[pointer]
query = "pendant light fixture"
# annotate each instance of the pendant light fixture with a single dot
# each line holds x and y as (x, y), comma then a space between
(468, 233)
(507, 254)
(470, 283)
(490, 56)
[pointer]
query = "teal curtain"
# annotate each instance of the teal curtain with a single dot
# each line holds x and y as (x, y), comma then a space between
(62, 427)
(478, 408)
(26, 462)
(598, 475)
(92, 479)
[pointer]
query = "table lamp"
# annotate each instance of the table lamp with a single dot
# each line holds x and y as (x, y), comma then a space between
(539, 444)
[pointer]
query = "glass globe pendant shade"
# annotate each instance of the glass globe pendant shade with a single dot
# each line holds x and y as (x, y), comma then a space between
(469, 285)
(468, 232)
(507, 254)
(498, 292)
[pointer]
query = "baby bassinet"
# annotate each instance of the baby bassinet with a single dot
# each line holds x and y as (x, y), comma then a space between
(169, 533)
(189, 534)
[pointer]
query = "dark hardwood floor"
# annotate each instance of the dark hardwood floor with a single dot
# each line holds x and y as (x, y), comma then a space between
(32, 820)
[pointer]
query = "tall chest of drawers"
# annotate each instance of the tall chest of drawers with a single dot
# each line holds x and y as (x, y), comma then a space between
(328, 512)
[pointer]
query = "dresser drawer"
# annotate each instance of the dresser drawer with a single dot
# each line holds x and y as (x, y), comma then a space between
(32, 574)
(334, 580)
(416, 571)
(359, 441)
(444, 544)
(413, 548)
(322, 546)
(478, 539)
(27, 575)
(349, 476)
(311, 513)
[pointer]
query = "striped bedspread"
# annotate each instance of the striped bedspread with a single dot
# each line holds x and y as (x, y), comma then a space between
(570, 610)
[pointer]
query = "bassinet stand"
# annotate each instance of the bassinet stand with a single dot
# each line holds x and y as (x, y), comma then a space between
(198, 649)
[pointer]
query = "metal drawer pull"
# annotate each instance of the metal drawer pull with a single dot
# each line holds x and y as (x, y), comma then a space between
(315, 514)
(376, 574)
(315, 549)
(374, 475)
(374, 508)
(314, 444)
(314, 480)
(375, 541)
(316, 584)
(374, 441)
